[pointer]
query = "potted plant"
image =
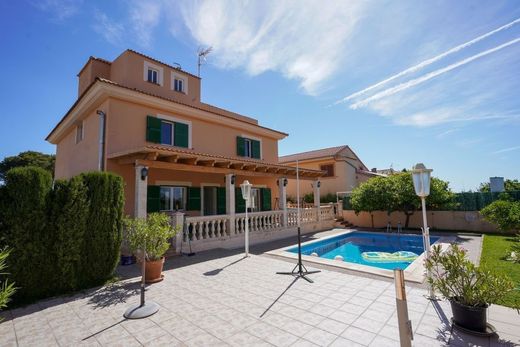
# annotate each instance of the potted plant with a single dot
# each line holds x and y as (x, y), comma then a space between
(153, 234)
(469, 288)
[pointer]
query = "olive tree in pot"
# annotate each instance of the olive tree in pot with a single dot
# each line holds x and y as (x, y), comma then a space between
(469, 288)
(153, 234)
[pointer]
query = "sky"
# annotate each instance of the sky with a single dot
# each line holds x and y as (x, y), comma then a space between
(400, 82)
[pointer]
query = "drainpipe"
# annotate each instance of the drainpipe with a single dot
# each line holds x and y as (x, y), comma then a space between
(102, 131)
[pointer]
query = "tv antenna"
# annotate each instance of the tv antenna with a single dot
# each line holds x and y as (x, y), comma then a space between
(202, 53)
(177, 66)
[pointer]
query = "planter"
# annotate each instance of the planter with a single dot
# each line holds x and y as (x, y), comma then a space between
(473, 318)
(153, 271)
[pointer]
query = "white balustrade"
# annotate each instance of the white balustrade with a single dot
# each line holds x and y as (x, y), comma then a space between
(207, 227)
(259, 221)
(327, 212)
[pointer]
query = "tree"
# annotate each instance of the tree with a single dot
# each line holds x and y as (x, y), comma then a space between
(505, 214)
(509, 185)
(28, 158)
(372, 195)
(396, 193)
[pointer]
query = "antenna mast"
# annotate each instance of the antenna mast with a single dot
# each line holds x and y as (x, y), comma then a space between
(202, 53)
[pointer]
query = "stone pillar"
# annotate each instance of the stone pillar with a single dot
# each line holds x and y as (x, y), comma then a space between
(230, 202)
(282, 198)
(316, 186)
(178, 223)
(141, 189)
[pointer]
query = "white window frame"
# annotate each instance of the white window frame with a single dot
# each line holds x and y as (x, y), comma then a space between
(160, 72)
(248, 137)
(80, 135)
(177, 120)
(185, 197)
(175, 76)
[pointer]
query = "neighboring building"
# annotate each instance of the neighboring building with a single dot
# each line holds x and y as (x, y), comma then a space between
(343, 170)
(144, 120)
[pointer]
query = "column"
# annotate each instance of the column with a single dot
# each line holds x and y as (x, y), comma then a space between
(282, 198)
(316, 186)
(178, 223)
(230, 202)
(141, 188)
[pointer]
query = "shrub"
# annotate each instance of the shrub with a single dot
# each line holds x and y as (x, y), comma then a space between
(26, 234)
(153, 233)
(102, 242)
(67, 213)
(7, 288)
(505, 214)
(457, 278)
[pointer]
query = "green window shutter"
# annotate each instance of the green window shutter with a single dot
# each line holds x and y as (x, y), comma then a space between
(153, 129)
(241, 146)
(240, 203)
(193, 199)
(255, 149)
(153, 199)
(266, 199)
(221, 200)
(181, 135)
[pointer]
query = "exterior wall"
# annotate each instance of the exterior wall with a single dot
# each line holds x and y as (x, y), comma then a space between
(128, 69)
(126, 129)
(445, 220)
(94, 68)
(74, 158)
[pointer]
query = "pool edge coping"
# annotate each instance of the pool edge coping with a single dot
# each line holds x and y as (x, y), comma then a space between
(415, 272)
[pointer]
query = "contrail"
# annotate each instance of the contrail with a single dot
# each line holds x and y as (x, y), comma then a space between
(428, 76)
(429, 61)
(506, 150)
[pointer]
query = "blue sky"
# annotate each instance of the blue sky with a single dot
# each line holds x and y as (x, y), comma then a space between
(399, 81)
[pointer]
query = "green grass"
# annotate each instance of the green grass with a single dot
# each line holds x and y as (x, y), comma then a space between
(495, 250)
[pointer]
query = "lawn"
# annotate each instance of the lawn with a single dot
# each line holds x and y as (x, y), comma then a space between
(494, 252)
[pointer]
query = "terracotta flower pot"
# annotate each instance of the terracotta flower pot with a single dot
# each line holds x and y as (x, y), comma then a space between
(154, 271)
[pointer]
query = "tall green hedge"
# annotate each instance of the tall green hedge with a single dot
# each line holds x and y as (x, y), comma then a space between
(62, 237)
(104, 231)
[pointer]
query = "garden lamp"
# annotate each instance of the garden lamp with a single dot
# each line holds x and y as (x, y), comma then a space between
(246, 195)
(421, 181)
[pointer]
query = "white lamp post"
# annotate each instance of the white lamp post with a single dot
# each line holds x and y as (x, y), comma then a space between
(246, 194)
(421, 181)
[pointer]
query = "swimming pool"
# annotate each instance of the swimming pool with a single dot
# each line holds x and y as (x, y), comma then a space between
(351, 247)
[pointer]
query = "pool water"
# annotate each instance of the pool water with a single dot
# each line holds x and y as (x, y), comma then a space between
(351, 246)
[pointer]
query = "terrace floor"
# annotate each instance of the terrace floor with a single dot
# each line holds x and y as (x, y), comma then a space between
(219, 298)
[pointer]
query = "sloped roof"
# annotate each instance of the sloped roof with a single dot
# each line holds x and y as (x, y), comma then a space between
(318, 153)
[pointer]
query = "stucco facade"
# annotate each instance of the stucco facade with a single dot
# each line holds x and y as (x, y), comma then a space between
(130, 122)
(348, 171)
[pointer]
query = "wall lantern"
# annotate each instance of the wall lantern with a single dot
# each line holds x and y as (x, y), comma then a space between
(144, 173)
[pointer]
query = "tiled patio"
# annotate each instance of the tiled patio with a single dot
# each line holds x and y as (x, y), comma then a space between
(242, 302)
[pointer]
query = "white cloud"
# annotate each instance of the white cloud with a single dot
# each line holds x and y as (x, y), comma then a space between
(430, 61)
(304, 40)
(110, 30)
(59, 9)
(411, 83)
(144, 18)
(504, 150)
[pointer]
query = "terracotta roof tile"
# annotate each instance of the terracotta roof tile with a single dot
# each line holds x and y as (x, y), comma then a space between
(318, 153)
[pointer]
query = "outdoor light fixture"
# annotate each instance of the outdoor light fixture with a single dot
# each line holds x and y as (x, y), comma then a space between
(285, 182)
(144, 173)
(233, 177)
(421, 181)
(246, 195)
(318, 184)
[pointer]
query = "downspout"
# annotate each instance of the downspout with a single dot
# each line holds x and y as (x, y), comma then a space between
(102, 132)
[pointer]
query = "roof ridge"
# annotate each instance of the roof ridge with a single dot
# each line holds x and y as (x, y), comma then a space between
(315, 150)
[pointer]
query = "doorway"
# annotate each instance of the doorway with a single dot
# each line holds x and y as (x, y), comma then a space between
(210, 201)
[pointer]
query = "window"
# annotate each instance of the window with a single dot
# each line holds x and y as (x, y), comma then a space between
(166, 133)
(248, 148)
(79, 132)
(153, 76)
(329, 169)
(172, 198)
(178, 85)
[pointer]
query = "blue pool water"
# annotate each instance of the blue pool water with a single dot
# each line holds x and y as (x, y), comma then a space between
(350, 246)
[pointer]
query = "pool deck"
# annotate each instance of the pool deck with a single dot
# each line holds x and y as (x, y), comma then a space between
(220, 298)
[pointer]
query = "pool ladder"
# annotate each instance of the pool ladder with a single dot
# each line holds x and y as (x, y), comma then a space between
(389, 227)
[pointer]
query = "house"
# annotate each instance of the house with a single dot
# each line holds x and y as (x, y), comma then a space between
(343, 170)
(144, 120)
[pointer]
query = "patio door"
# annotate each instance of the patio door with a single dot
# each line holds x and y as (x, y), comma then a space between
(214, 201)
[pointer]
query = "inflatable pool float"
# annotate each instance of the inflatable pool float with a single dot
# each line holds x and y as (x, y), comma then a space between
(385, 257)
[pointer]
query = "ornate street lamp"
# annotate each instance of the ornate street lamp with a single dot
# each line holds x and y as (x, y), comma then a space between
(246, 194)
(421, 181)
